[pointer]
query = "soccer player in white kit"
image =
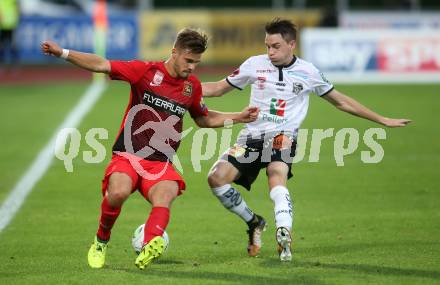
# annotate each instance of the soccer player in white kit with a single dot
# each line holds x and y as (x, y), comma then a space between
(280, 87)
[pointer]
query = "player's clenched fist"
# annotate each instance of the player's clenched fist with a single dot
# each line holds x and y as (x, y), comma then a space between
(249, 114)
(51, 48)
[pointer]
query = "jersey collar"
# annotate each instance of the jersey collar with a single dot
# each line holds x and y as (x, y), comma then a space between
(287, 65)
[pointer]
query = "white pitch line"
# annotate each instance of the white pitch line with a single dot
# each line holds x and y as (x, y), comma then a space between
(42, 162)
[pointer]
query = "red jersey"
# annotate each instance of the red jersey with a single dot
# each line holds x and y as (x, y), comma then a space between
(152, 123)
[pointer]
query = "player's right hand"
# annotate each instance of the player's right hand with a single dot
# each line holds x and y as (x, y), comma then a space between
(51, 48)
(249, 114)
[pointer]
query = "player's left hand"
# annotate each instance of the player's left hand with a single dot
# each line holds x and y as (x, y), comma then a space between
(249, 114)
(392, 123)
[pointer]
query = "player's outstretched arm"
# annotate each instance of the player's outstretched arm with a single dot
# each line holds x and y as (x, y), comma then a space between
(88, 61)
(216, 119)
(216, 89)
(349, 105)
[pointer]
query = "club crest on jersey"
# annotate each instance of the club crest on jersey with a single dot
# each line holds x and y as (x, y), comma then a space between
(187, 88)
(157, 79)
(277, 107)
(297, 88)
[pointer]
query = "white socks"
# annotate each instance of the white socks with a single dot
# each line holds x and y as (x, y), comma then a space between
(283, 207)
(232, 200)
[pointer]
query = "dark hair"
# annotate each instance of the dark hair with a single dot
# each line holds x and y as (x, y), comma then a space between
(286, 28)
(194, 40)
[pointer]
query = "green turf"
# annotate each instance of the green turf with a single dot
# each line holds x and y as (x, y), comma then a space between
(29, 116)
(357, 224)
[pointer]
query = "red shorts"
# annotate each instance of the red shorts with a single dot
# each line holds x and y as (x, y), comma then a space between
(143, 173)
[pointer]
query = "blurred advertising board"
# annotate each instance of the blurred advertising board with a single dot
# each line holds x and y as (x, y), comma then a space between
(347, 55)
(76, 32)
(390, 20)
(234, 34)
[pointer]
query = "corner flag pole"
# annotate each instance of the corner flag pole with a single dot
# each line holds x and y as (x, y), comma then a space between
(100, 24)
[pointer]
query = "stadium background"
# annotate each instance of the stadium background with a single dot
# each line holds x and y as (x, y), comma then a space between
(357, 224)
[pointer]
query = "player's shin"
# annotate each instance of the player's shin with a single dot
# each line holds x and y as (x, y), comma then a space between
(283, 207)
(232, 200)
(108, 218)
(156, 223)
(154, 243)
(283, 219)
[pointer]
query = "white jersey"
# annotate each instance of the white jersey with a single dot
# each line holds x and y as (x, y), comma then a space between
(281, 92)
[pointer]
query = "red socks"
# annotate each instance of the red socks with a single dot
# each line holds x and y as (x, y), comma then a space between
(108, 217)
(156, 223)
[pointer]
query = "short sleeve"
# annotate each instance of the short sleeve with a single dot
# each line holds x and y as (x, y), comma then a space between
(130, 71)
(241, 76)
(198, 107)
(320, 85)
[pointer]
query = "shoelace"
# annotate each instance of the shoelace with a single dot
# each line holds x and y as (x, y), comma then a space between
(100, 247)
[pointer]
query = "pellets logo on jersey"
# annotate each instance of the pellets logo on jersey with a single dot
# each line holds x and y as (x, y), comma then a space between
(187, 88)
(277, 107)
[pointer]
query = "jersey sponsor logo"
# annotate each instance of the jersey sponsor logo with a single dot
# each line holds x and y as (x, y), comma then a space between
(297, 87)
(162, 104)
(277, 107)
(157, 79)
(235, 73)
(272, 118)
(260, 82)
(187, 88)
(266, 70)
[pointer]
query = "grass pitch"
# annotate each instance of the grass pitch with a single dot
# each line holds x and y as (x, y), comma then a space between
(356, 224)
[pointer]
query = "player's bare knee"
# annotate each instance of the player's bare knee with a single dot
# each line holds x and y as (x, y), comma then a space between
(276, 168)
(216, 178)
(163, 193)
(276, 177)
(167, 200)
(221, 173)
(119, 188)
(117, 196)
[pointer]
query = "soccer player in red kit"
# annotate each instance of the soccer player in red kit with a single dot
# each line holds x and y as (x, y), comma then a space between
(161, 93)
